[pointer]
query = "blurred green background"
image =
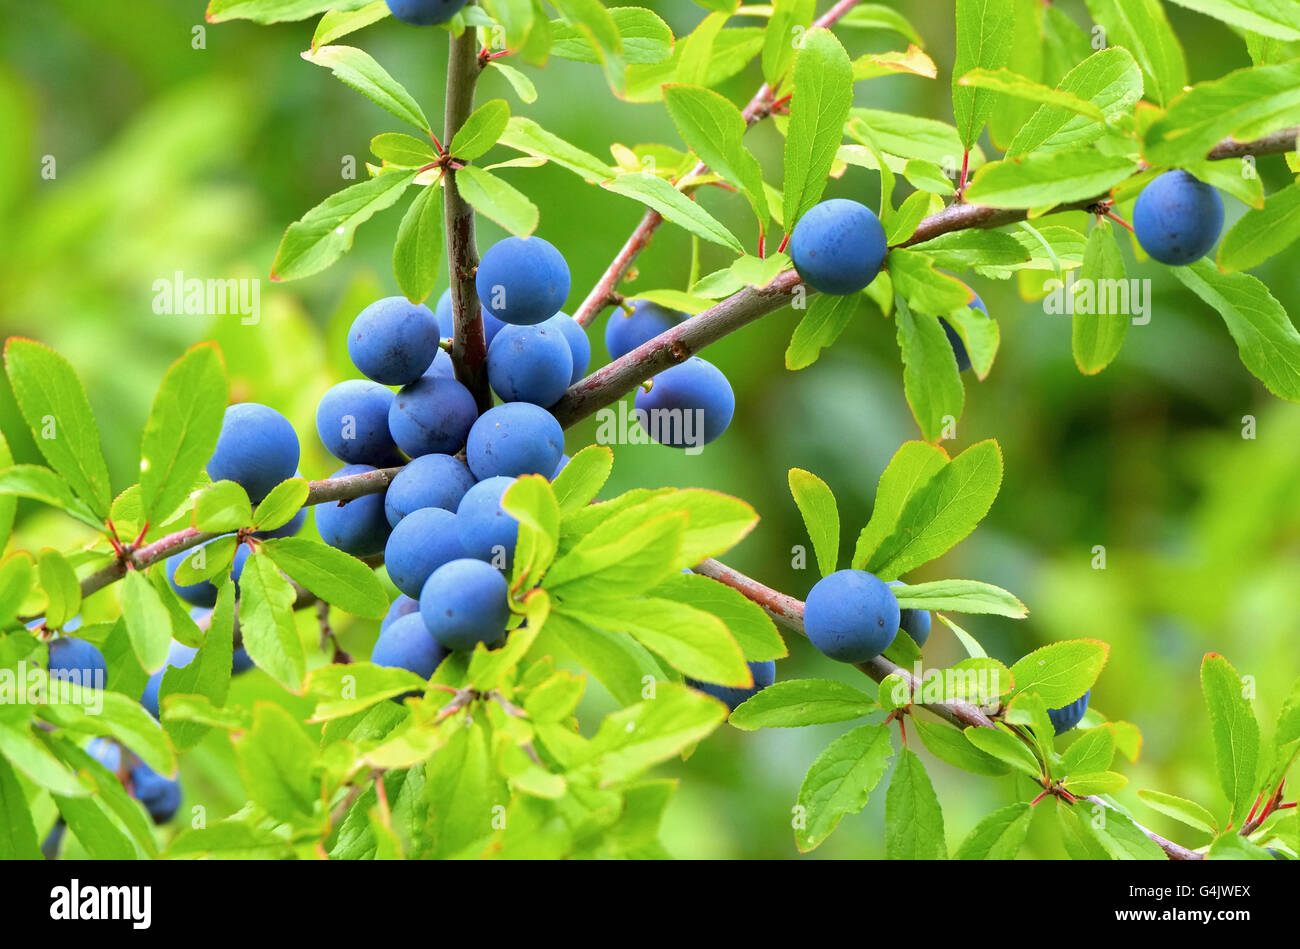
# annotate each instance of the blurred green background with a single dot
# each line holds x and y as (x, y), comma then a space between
(169, 158)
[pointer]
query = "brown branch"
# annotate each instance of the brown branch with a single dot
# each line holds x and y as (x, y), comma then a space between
(788, 611)
(468, 349)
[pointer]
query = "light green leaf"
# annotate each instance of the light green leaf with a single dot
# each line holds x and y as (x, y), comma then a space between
(1011, 84)
(523, 86)
(417, 252)
(618, 662)
(950, 744)
(794, 703)
(266, 621)
(790, 18)
(1097, 336)
(998, 836)
(1042, 179)
(638, 737)
(52, 401)
(182, 429)
(907, 473)
(984, 32)
(277, 763)
(274, 11)
(525, 135)
(356, 68)
(1266, 340)
(339, 22)
(206, 675)
(1061, 672)
(913, 819)
(1141, 27)
(582, 478)
(282, 504)
(820, 516)
(1235, 733)
(147, 621)
(1262, 232)
(1277, 18)
(531, 502)
(715, 130)
(1180, 809)
(674, 206)
(1110, 79)
(402, 150)
(31, 757)
(960, 596)
(481, 129)
(822, 94)
(17, 832)
(931, 381)
(496, 199)
(59, 583)
(840, 782)
(751, 627)
(1097, 782)
(1000, 744)
(222, 506)
(324, 234)
(336, 577)
(826, 317)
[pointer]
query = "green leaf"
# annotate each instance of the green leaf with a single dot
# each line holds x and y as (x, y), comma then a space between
(1180, 809)
(580, 481)
(1236, 847)
(1235, 733)
(356, 68)
(822, 94)
(913, 819)
(794, 703)
(984, 32)
(1011, 84)
(790, 18)
(182, 429)
(266, 621)
(52, 401)
(591, 17)
(1267, 342)
(840, 782)
(336, 577)
(1005, 747)
(1097, 336)
(207, 674)
(620, 663)
(147, 621)
(636, 738)
(277, 762)
(629, 562)
(1141, 27)
(402, 150)
(964, 249)
(59, 583)
(1262, 232)
(931, 381)
(417, 252)
(998, 836)
(481, 129)
(907, 473)
(222, 506)
(17, 832)
(1245, 104)
(1097, 782)
(525, 135)
(15, 584)
(1094, 750)
(646, 38)
(31, 757)
(1061, 672)
(960, 596)
(462, 788)
(1042, 179)
(324, 234)
(950, 745)
(940, 512)
(1276, 18)
(820, 516)
(697, 643)
(229, 840)
(1122, 838)
(274, 11)
(673, 206)
(752, 628)
(531, 502)
(715, 130)
(1110, 79)
(281, 504)
(826, 317)
(8, 503)
(909, 136)
(339, 22)
(523, 86)
(496, 199)
(346, 690)
(207, 561)
(516, 18)
(878, 16)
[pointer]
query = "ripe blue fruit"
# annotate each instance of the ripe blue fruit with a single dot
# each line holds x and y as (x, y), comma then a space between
(441, 365)
(916, 623)
(1066, 717)
(178, 655)
(838, 246)
(465, 602)
(487, 532)
(688, 405)
(402, 606)
(75, 660)
(579, 344)
(522, 280)
(393, 340)
(358, 527)
(352, 421)
(160, 796)
(954, 338)
(428, 481)
(257, 449)
(1177, 218)
(407, 644)
(107, 752)
(432, 416)
(491, 326)
(445, 314)
(851, 615)
(421, 542)
(530, 364)
(425, 12)
(241, 662)
(514, 439)
(626, 331)
(764, 675)
(203, 593)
